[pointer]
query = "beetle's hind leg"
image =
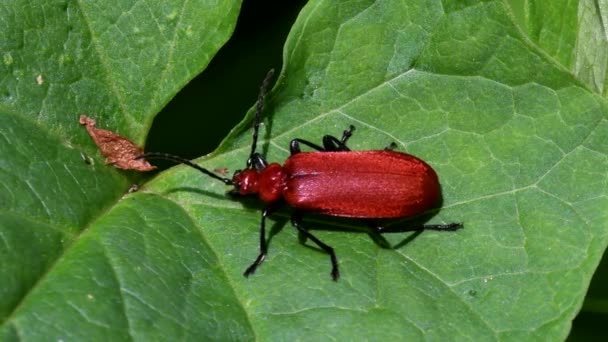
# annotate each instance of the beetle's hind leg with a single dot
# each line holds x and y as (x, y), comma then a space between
(449, 227)
(296, 220)
(377, 231)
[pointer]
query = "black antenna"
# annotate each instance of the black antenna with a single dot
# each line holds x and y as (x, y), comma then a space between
(258, 113)
(166, 156)
(256, 127)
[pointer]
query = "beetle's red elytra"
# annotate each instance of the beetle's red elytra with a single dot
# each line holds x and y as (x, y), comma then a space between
(360, 184)
(333, 181)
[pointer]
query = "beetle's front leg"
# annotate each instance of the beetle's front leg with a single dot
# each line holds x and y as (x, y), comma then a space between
(257, 162)
(263, 245)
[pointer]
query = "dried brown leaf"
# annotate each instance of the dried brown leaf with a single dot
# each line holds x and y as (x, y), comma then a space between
(221, 170)
(118, 150)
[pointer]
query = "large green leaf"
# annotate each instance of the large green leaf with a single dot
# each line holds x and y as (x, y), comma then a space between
(118, 62)
(519, 139)
(571, 32)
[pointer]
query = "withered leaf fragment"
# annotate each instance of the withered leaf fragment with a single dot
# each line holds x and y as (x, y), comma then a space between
(117, 149)
(221, 170)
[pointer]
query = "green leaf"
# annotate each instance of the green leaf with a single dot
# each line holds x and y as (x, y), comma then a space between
(571, 32)
(118, 62)
(519, 140)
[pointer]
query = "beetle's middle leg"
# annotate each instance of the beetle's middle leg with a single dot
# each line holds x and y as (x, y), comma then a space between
(330, 143)
(391, 147)
(296, 220)
(334, 144)
(294, 146)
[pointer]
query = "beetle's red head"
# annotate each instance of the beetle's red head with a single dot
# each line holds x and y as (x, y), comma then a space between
(246, 181)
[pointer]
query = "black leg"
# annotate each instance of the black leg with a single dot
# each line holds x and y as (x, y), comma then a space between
(347, 134)
(263, 246)
(257, 162)
(332, 143)
(294, 146)
(378, 230)
(392, 146)
(450, 227)
(335, 273)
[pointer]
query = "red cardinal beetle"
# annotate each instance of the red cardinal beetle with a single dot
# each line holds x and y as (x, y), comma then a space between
(333, 181)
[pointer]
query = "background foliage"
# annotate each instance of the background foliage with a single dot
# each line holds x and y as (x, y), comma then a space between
(504, 98)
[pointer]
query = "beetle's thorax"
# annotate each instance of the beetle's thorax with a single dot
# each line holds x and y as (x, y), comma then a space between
(267, 183)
